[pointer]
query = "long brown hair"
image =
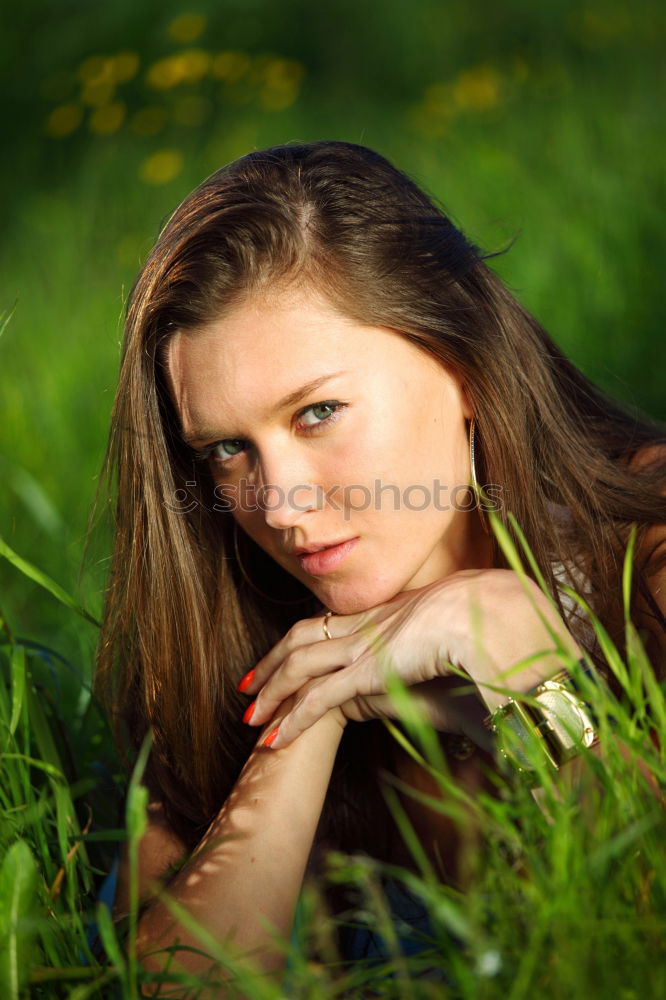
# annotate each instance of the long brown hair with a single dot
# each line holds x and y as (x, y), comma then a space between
(181, 625)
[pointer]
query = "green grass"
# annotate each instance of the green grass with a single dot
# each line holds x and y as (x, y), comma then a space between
(564, 899)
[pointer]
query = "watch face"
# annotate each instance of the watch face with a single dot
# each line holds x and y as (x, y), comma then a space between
(522, 737)
(566, 716)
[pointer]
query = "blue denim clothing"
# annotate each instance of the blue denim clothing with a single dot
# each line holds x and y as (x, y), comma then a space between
(364, 945)
(411, 922)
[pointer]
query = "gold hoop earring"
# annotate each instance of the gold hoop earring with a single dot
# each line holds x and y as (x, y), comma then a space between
(475, 485)
(253, 586)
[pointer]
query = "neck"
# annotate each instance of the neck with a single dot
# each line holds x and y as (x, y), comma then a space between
(481, 545)
(473, 547)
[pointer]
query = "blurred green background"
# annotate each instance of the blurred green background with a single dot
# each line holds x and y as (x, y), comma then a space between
(539, 123)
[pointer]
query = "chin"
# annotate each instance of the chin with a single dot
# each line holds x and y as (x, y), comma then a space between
(347, 599)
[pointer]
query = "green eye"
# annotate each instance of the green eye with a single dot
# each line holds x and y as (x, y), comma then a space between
(321, 413)
(227, 449)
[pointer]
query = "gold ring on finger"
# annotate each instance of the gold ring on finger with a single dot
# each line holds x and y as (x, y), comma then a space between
(324, 624)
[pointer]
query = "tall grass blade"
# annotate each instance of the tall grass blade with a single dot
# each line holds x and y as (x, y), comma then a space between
(34, 497)
(513, 558)
(87, 990)
(5, 317)
(136, 817)
(18, 888)
(33, 573)
(627, 568)
(107, 933)
(18, 686)
(66, 818)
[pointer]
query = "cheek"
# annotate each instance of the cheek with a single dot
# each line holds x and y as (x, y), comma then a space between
(378, 448)
(238, 500)
(233, 498)
(394, 473)
(441, 451)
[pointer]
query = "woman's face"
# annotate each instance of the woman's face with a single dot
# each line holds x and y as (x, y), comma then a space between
(324, 433)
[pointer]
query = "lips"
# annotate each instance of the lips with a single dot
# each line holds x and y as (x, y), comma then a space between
(301, 550)
(318, 561)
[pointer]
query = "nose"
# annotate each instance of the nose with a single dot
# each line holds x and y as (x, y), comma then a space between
(287, 494)
(284, 509)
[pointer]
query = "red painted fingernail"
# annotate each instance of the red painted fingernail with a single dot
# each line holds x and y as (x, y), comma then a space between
(246, 681)
(270, 739)
(247, 714)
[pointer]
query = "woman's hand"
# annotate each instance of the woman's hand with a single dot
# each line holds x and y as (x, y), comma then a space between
(481, 621)
(349, 671)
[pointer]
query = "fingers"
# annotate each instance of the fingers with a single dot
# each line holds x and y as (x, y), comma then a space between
(339, 691)
(319, 697)
(303, 633)
(298, 667)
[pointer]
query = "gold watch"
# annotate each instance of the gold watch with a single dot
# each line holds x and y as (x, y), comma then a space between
(554, 718)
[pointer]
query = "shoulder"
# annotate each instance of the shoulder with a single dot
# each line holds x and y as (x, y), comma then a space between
(654, 537)
(651, 555)
(649, 454)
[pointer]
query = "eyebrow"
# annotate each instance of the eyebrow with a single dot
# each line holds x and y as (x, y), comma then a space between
(211, 434)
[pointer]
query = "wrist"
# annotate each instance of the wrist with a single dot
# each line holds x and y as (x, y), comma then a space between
(515, 639)
(497, 687)
(335, 718)
(329, 727)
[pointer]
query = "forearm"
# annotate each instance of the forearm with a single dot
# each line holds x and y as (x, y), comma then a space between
(249, 867)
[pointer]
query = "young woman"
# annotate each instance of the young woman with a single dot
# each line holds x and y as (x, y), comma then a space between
(317, 364)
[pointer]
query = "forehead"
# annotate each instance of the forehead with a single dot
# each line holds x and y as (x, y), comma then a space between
(239, 365)
(288, 326)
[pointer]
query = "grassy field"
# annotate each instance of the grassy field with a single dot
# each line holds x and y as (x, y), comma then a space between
(539, 132)
(539, 127)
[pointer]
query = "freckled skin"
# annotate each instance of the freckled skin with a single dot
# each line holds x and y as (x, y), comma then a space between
(404, 424)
